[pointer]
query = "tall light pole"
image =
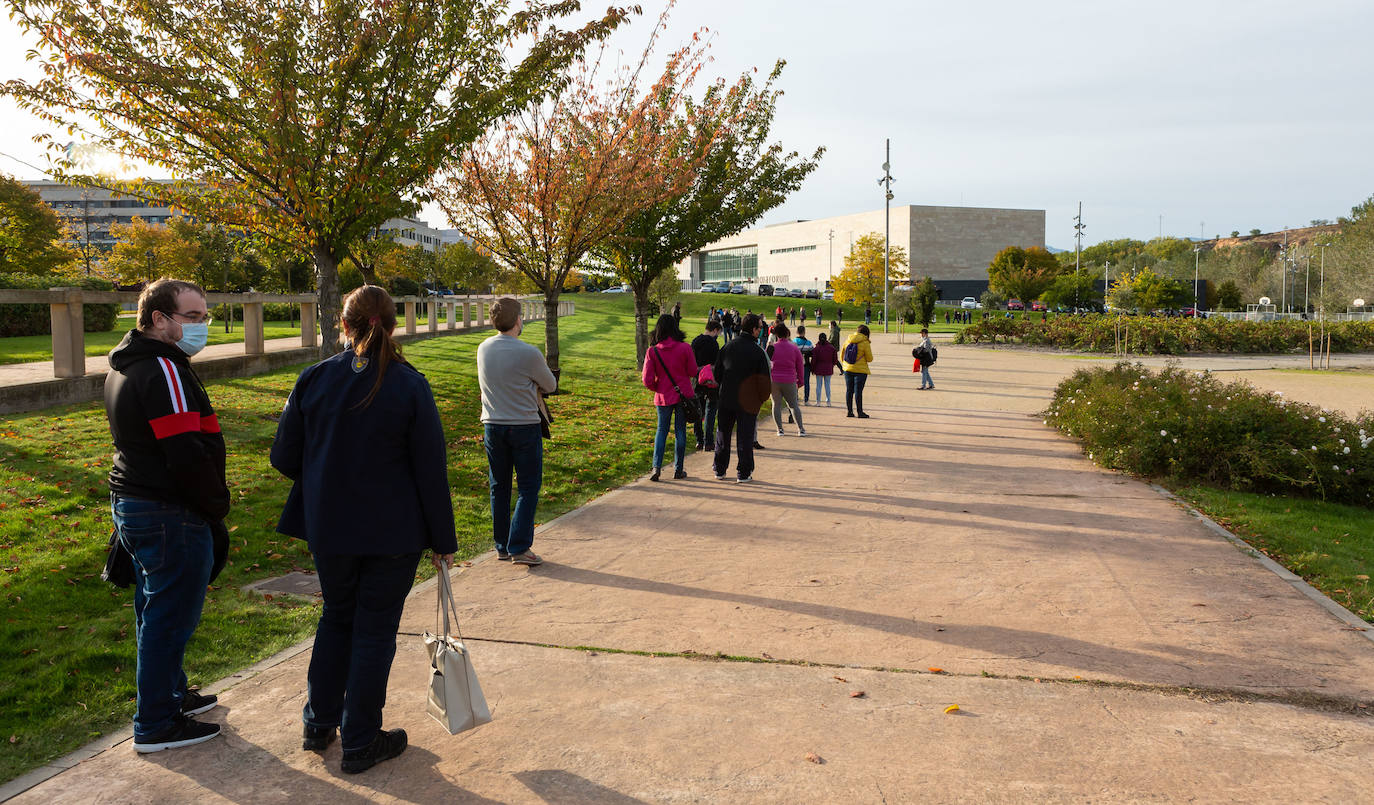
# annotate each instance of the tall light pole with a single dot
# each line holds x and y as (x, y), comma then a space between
(1307, 285)
(1197, 262)
(886, 183)
(830, 264)
(1321, 285)
(1078, 252)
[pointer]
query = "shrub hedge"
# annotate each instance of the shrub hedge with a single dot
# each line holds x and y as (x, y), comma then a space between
(37, 319)
(271, 311)
(1192, 427)
(1164, 336)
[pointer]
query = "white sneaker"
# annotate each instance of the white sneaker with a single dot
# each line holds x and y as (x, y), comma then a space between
(801, 433)
(780, 433)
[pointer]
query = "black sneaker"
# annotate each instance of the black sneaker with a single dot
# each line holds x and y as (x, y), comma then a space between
(657, 472)
(186, 732)
(385, 746)
(758, 446)
(193, 703)
(862, 415)
(316, 739)
(679, 475)
(850, 414)
(502, 556)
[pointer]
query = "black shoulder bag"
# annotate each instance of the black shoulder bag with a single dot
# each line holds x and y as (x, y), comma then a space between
(689, 406)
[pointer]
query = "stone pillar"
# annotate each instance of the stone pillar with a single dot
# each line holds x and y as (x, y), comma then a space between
(309, 333)
(452, 322)
(432, 320)
(467, 315)
(411, 304)
(68, 333)
(254, 342)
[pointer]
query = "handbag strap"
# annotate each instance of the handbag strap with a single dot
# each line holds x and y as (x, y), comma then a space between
(445, 604)
(658, 354)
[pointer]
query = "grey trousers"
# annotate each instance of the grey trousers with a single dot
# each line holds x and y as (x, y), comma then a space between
(786, 393)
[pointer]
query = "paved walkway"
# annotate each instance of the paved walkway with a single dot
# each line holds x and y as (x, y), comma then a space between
(1101, 642)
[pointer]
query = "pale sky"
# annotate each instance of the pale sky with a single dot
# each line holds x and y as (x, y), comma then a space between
(1229, 114)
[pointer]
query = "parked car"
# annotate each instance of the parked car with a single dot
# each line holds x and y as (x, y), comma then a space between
(765, 290)
(969, 303)
(797, 293)
(707, 287)
(1038, 306)
(828, 295)
(737, 289)
(780, 292)
(1015, 304)
(614, 290)
(813, 294)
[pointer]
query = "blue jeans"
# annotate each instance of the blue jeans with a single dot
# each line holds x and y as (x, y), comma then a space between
(173, 553)
(925, 377)
(822, 381)
(667, 413)
(854, 390)
(518, 448)
(743, 424)
(355, 642)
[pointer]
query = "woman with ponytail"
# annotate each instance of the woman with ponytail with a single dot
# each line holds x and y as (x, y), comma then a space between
(360, 436)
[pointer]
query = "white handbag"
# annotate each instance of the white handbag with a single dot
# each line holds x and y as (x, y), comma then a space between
(455, 698)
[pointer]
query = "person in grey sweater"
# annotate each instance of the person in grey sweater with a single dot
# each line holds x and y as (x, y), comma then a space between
(512, 375)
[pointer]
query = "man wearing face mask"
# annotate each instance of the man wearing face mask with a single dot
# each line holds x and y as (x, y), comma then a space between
(169, 497)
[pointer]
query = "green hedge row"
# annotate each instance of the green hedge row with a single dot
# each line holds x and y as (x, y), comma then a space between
(1163, 336)
(1192, 427)
(37, 319)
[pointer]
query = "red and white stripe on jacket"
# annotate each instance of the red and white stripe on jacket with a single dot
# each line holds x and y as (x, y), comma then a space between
(182, 419)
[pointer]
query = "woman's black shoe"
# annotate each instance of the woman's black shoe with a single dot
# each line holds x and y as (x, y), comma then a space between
(385, 746)
(315, 739)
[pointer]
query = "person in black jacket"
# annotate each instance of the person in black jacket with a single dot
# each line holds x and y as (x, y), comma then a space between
(705, 347)
(167, 495)
(361, 438)
(741, 371)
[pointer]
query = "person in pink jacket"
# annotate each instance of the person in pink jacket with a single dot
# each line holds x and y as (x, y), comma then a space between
(788, 376)
(670, 368)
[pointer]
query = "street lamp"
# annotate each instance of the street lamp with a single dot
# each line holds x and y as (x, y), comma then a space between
(1321, 285)
(1197, 261)
(886, 182)
(830, 265)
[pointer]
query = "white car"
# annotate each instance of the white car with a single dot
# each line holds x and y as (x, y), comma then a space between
(828, 295)
(969, 303)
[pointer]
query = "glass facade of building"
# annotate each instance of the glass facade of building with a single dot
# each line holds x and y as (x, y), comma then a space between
(730, 264)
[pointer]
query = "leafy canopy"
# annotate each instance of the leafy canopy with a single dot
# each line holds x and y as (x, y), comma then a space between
(861, 281)
(306, 121)
(30, 232)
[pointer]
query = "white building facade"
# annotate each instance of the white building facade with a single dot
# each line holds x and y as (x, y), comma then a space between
(952, 245)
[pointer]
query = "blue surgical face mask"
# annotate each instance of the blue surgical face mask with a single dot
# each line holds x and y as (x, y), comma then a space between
(193, 337)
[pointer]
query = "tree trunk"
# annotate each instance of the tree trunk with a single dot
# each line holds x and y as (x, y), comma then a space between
(641, 323)
(331, 303)
(551, 332)
(369, 272)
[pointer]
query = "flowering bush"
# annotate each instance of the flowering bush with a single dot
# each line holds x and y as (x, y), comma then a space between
(1164, 336)
(1194, 428)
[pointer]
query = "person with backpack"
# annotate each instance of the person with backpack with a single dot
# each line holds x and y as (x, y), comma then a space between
(925, 353)
(855, 359)
(706, 348)
(787, 376)
(742, 372)
(823, 361)
(804, 344)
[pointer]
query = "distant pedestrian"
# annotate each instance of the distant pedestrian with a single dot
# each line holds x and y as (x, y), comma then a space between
(824, 358)
(804, 344)
(839, 315)
(706, 349)
(854, 359)
(787, 375)
(727, 325)
(742, 371)
(512, 375)
(669, 369)
(361, 438)
(923, 352)
(818, 315)
(677, 313)
(868, 312)
(168, 497)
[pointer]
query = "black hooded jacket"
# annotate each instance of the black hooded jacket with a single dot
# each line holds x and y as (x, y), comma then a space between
(168, 444)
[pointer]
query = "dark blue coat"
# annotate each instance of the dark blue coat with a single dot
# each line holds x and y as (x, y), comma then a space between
(368, 481)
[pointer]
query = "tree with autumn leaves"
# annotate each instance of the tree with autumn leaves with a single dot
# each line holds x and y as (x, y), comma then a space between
(1023, 274)
(861, 281)
(561, 178)
(304, 122)
(739, 176)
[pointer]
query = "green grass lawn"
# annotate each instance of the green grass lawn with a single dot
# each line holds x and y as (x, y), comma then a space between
(67, 675)
(1329, 545)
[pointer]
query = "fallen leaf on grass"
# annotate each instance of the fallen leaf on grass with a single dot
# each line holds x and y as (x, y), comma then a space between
(935, 670)
(811, 756)
(953, 708)
(839, 679)
(857, 694)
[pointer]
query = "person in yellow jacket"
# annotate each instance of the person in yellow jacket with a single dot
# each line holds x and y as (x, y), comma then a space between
(860, 350)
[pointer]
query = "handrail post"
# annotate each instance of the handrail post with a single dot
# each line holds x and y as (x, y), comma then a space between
(467, 315)
(254, 341)
(451, 322)
(309, 335)
(68, 333)
(432, 319)
(411, 304)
